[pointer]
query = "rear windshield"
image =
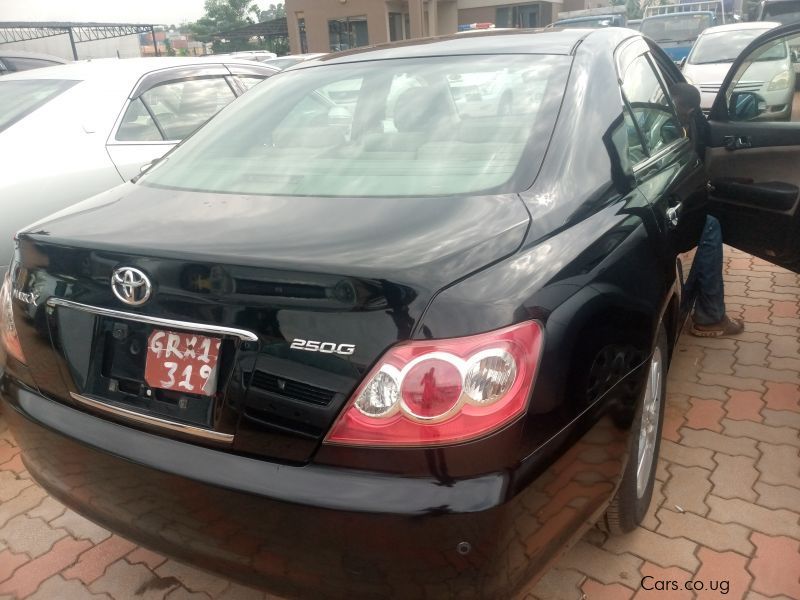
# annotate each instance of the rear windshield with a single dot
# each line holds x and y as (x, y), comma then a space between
(404, 127)
(676, 28)
(782, 12)
(722, 47)
(20, 97)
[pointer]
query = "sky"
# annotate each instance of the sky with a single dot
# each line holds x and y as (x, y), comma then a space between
(158, 12)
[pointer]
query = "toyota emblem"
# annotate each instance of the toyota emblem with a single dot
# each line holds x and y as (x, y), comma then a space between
(131, 286)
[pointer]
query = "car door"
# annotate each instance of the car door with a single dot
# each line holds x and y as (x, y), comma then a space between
(753, 159)
(667, 169)
(165, 107)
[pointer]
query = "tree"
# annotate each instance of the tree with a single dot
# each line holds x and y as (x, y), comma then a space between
(275, 11)
(632, 7)
(223, 15)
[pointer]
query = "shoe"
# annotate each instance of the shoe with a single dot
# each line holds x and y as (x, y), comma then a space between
(726, 326)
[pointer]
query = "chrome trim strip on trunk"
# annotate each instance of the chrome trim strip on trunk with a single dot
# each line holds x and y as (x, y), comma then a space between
(199, 432)
(242, 334)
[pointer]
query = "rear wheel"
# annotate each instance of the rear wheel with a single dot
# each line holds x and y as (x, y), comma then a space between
(630, 504)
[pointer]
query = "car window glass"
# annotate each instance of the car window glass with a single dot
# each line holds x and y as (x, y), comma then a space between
(763, 87)
(459, 124)
(722, 47)
(651, 108)
(180, 107)
(16, 63)
(137, 125)
(21, 97)
(249, 81)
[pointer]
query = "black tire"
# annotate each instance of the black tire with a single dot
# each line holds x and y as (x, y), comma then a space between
(629, 507)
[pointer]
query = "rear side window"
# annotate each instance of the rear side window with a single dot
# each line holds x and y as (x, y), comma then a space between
(20, 97)
(174, 110)
(653, 114)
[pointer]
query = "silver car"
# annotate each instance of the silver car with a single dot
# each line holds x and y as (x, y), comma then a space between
(71, 131)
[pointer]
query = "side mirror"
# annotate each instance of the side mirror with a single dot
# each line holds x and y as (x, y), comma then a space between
(795, 55)
(745, 106)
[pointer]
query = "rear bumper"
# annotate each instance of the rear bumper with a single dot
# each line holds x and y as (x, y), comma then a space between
(312, 531)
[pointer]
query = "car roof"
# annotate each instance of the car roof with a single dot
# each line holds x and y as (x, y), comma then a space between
(679, 14)
(517, 41)
(765, 25)
(13, 53)
(121, 68)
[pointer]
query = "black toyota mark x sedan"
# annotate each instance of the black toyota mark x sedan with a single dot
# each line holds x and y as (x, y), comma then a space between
(397, 323)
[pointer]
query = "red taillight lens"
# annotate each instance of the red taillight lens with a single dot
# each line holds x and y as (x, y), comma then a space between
(443, 391)
(431, 388)
(8, 331)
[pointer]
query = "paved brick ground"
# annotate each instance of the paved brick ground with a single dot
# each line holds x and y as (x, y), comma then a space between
(725, 506)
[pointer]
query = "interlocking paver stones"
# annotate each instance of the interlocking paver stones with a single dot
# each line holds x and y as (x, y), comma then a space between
(763, 433)
(602, 565)
(734, 477)
(652, 586)
(687, 488)
(777, 496)
(557, 584)
(93, 563)
(782, 396)
(686, 456)
(705, 414)
(778, 464)
(193, 579)
(744, 406)
(711, 440)
(123, 580)
(723, 574)
(776, 565)
(9, 562)
(57, 588)
(765, 520)
(751, 353)
(655, 548)
(600, 591)
(27, 578)
(81, 528)
(704, 531)
(32, 536)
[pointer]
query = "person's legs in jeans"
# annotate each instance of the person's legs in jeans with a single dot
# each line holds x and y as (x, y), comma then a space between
(705, 279)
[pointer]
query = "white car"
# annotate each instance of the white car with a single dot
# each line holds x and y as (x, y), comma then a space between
(71, 131)
(716, 48)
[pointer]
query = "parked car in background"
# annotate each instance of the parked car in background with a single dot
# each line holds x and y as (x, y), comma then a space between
(380, 361)
(781, 11)
(610, 16)
(675, 27)
(252, 55)
(714, 52)
(634, 24)
(74, 130)
(284, 62)
(12, 61)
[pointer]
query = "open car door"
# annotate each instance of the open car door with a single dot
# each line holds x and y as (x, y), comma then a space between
(753, 158)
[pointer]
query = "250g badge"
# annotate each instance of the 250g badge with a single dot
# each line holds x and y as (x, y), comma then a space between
(323, 347)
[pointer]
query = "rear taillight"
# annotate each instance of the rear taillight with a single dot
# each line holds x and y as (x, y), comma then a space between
(9, 340)
(443, 391)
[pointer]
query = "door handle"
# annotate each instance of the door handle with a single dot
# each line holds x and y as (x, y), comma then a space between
(737, 142)
(674, 214)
